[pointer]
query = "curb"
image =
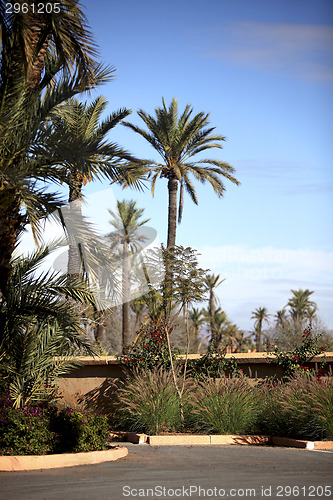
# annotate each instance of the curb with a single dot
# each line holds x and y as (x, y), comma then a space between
(299, 443)
(37, 462)
(214, 439)
(195, 439)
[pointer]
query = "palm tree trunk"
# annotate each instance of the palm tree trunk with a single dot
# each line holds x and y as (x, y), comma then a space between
(10, 222)
(36, 69)
(126, 294)
(75, 217)
(258, 342)
(171, 242)
(172, 212)
(211, 310)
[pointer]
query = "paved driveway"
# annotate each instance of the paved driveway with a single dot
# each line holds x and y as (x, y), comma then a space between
(183, 472)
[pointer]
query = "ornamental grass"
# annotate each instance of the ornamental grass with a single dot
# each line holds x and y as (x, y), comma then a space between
(148, 402)
(225, 405)
(300, 408)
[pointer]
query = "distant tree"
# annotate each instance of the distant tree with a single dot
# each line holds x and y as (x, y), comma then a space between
(196, 321)
(127, 237)
(260, 315)
(212, 282)
(300, 304)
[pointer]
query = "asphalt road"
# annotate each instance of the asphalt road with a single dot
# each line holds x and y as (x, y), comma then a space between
(183, 472)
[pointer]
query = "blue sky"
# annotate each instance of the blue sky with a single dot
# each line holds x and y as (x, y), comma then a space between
(264, 71)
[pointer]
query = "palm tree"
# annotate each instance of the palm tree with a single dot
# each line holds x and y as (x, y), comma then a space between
(212, 282)
(281, 317)
(38, 46)
(44, 60)
(37, 324)
(178, 140)
(196, 320)
(300, 304)
(127, 235)
(260, 315)
(220, 323)
(87, 155)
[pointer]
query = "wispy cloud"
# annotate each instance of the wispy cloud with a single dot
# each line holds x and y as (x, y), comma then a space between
(302, 51)
(264, 276)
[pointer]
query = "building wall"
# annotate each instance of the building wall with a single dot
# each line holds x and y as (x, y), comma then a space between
(95, 381)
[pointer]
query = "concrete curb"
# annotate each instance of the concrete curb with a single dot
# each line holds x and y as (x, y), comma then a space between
(299, 443)
(195, 439)
(37, 462)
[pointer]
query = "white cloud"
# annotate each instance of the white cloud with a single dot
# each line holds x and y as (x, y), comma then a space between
(303, 51)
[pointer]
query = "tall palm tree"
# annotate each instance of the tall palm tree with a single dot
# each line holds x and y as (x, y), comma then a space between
(212, 282)
(127, 236)
(179, 140)
(300, 304)
(36, 53)
(260, 315)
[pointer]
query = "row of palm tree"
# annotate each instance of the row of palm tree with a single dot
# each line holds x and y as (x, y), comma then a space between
(299, 308)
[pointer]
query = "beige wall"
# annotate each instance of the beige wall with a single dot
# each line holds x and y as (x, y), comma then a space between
(93, 383)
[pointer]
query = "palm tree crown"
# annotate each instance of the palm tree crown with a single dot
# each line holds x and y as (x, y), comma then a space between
(178, 140)
(300, 304)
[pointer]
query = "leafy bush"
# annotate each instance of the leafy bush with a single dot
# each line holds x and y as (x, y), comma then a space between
(213, 364)
(78, 430)
(40, 430)
(152, 349)
(148, 402)
(25, 431)
(225, 405)
(295, 361)
(300, 408)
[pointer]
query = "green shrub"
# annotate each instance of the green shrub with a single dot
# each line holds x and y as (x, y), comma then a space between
(300, 408)
(148, 402)
(40, 430)
(79, 430)
(225, 405)
(294, 362)
(213, 364)
(25, 431)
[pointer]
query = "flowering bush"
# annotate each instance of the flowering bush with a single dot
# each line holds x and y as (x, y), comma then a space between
(41, 429)
(25, 431)
(295, 361)
(152, 349)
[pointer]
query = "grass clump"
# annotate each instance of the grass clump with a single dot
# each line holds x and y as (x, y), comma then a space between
(148, 402)
(225, 405)
(300, 408)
